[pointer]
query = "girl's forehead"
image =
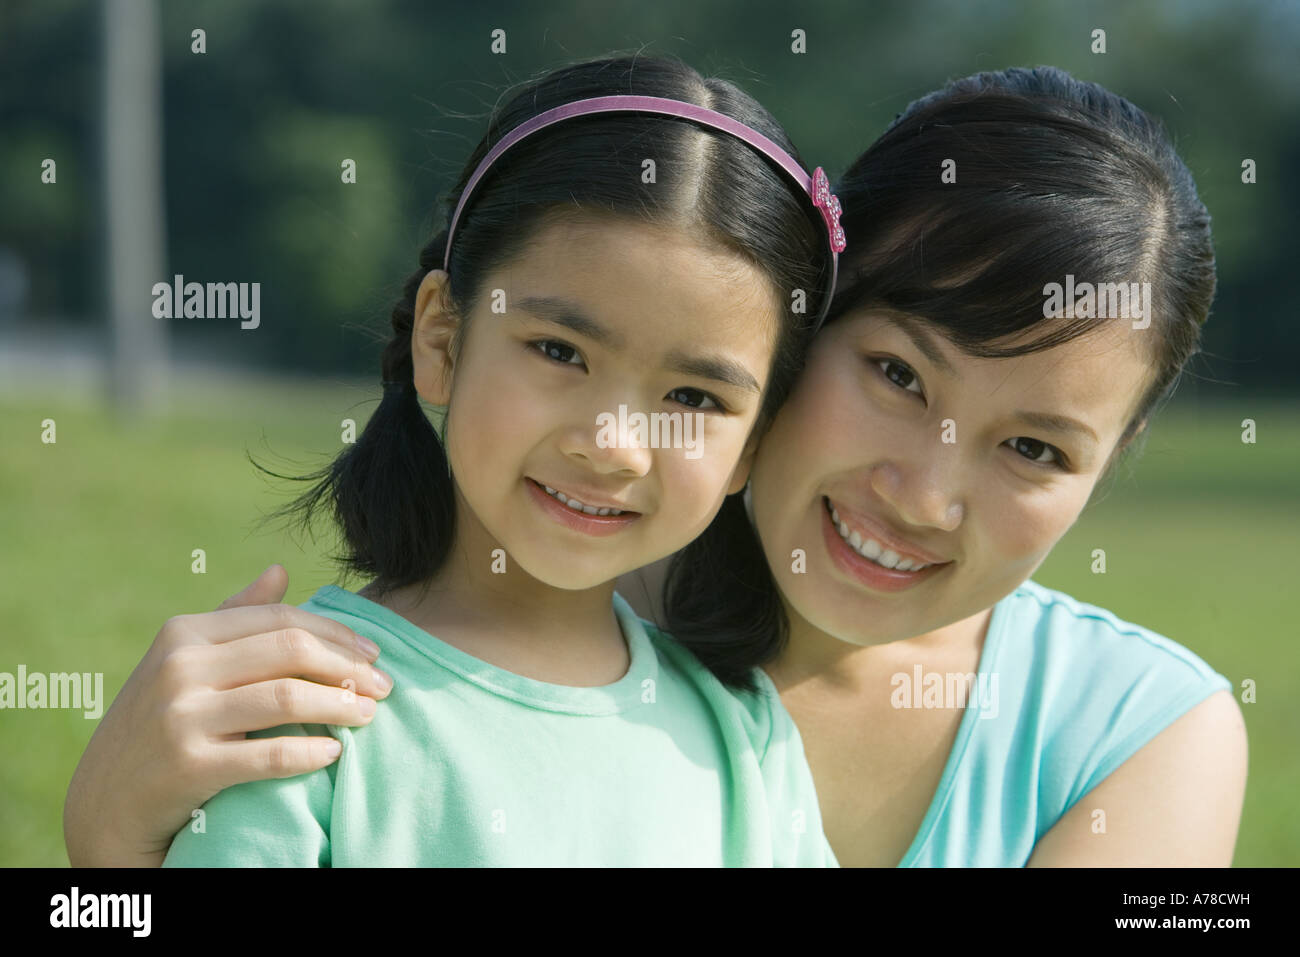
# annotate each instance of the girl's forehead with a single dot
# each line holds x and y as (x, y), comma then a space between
(642, 263)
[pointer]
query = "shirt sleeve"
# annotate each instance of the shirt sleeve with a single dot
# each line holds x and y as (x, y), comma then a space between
(1113, 686)
(798, 839)
(279, 822)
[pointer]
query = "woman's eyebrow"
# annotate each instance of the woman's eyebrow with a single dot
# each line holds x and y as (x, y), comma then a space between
(922, 341)
(562, 312)
(1056, 423)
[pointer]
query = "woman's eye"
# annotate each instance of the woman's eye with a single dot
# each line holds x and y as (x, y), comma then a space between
(899, 374)
(694, 398)
(1034, 450)
(558, 351)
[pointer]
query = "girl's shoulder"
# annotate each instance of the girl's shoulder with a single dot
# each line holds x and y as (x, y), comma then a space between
(759, 713)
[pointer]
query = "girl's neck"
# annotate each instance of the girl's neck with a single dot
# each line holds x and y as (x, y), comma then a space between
(511, 619)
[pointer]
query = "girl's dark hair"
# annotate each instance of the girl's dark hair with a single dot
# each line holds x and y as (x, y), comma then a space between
(1054, 176)
(390, 492)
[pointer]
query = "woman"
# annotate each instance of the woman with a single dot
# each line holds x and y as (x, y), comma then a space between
(947, 430)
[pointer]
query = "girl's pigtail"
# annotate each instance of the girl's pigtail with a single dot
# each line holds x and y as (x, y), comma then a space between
(391, 491)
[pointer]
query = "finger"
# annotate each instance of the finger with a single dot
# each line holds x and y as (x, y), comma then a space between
(294, 653)
(233, 623)
(254, 759)
(267, 587)
(269, 704)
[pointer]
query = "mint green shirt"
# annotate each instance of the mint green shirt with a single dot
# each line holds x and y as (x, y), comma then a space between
(466, 764)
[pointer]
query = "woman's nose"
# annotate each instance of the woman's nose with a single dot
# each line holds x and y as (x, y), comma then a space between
(925, 492)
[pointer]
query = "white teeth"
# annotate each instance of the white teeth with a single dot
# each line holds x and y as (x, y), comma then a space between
(577, 506)
(872, 549)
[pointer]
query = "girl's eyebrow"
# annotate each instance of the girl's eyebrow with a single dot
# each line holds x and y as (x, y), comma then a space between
(562, 312)
(717, 368)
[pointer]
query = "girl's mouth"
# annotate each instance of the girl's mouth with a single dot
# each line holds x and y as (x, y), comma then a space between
(573, 513)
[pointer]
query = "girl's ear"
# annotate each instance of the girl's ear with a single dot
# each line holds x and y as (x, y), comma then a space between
(432, 333)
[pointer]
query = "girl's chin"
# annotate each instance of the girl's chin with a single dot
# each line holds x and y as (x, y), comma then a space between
(542, 566)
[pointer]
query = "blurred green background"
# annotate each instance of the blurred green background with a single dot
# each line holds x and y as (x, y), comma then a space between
(96, 531)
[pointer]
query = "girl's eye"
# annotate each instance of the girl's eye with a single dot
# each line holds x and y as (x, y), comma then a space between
(899, 374)
(694, 398)
(558, 351)
(1034, 450)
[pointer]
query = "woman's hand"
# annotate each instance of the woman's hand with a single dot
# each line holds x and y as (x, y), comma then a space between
(175, 734)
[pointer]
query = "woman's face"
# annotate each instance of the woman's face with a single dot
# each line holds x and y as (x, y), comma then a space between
(968, 469)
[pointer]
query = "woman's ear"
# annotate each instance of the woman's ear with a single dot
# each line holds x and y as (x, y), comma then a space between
(432, 333)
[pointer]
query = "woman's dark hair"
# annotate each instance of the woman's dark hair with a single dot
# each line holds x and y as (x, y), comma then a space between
(1053, 176)
(391, 493)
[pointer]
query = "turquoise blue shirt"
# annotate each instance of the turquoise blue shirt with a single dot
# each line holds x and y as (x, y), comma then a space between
(1078, 691)
(467, 764)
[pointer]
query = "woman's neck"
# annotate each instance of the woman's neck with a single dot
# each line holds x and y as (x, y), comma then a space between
(814, 655)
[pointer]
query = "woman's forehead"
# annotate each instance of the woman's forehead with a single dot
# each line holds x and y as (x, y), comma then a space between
(1104, 370)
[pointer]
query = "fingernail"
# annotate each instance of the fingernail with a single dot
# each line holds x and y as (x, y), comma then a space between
(366, 705)
(333, 749)
(382, 680)
(367, 647)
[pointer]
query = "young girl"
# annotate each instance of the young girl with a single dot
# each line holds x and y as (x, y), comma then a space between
(627, 237)
(940, 317)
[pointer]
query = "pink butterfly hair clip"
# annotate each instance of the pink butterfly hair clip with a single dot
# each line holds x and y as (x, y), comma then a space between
(829, 204)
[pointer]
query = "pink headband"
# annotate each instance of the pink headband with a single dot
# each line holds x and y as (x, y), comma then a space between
(817, 186)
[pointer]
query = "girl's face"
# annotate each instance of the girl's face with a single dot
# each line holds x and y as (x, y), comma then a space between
(968, 469)
(605, 320)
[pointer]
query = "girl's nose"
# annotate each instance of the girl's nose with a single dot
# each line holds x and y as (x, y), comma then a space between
(926, 493)
(607, 451)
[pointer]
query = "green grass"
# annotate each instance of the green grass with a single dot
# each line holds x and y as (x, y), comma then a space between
(97, 531)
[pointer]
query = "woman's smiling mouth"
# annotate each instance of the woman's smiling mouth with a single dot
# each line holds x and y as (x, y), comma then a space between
(871, 561)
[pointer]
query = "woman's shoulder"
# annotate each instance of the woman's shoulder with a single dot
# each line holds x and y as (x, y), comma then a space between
(1089, 686)
(1085, 637)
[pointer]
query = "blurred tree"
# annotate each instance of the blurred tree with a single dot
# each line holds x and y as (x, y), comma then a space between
(258, 125)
